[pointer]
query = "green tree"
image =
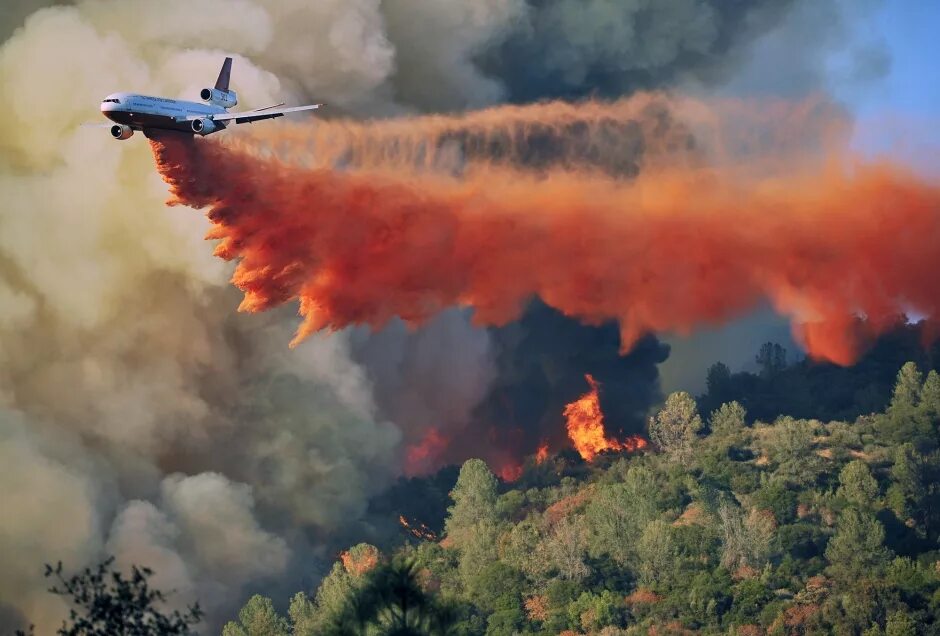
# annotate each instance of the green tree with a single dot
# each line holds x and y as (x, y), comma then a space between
(257, 618)
(908, 416)
(900, 624)
(472, 522)
(391, 601)
(728, 420)
(856, 550)
(331, 598)
(104, 601)
(674, 428)
(656, 554)
(906, 493)
(507, 622)
(593, 612)
(475, 497)
(523, 548)
(791, 446)
(930, 398)
(303, 615)
(857, 485)
(617, 513)
(907, 391)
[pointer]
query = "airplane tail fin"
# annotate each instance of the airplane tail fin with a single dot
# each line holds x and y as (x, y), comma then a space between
(224, 75)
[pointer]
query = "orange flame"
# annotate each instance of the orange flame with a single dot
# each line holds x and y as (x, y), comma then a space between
(361, 562)
(586, 426)
(422, 457)
(542, 453)
(510, 472)
(417, 529)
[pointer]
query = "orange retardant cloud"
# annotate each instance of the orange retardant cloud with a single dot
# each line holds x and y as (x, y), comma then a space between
(840, 246)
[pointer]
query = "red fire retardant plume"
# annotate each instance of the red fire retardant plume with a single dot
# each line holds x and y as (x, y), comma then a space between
(842, 249)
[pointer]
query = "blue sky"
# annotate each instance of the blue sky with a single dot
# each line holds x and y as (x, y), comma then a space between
(910, 30)
(900, 112)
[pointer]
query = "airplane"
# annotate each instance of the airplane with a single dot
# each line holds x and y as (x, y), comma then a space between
(131, 112)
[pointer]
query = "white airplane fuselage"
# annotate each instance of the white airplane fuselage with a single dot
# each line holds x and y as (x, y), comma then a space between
(130, 111)
(141, 112)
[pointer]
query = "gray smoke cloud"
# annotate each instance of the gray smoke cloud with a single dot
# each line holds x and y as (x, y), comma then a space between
(139, 414)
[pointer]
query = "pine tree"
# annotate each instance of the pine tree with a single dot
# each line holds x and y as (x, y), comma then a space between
(857, 485)
(257, 618)
(474, 496)
(856, 550)
(674, 427)
(930, 398)
(907, 391)
(727, 420)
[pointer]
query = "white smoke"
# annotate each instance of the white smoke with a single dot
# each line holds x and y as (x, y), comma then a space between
(118, 334)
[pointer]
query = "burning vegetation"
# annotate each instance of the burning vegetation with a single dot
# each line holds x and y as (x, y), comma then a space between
(417, 529)
(360, 559)
(585, 424)
(542, 453)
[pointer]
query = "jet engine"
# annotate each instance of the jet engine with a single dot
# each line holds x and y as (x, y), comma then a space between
(225, 99)
(120, 131)
(205, 126)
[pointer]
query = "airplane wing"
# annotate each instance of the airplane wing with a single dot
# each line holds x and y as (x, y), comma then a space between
(268, 112)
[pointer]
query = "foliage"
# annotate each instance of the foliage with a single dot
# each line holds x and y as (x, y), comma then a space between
(257, 618)
(790, 445)
(728, 420)
(106, 602)
(674, 428)
(856, 550)
(475, 496)
(392, 600)
(802, 526)
(857, 486)
(746, 538)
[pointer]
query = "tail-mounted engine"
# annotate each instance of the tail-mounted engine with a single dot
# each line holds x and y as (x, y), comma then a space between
(205, 126)
(225, 99)
(120, 131)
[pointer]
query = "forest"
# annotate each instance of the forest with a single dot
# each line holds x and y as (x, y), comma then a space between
(724, 523)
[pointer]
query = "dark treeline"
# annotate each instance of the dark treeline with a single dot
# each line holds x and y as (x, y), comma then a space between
(819, 390)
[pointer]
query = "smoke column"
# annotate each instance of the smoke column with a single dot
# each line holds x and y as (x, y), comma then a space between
(840, 247)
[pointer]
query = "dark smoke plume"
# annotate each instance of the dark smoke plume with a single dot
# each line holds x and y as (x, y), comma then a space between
(542, 359)
(573, 48)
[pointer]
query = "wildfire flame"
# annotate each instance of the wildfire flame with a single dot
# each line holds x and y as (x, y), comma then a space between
(417, 529)
(422, 457)
(510, 471)
(358, 562)
(542, 453)
(586, 426)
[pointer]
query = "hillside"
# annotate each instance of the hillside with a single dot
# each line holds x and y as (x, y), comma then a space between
(720, 526)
